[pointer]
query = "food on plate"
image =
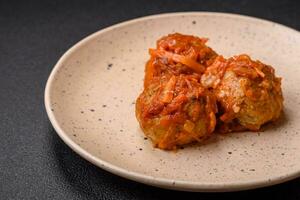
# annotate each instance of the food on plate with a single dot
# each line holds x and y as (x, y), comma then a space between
(190, 90)
(248, 92)
(178, 54)
(175, 110)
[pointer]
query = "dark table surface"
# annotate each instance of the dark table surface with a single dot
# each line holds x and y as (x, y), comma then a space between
(34, 162)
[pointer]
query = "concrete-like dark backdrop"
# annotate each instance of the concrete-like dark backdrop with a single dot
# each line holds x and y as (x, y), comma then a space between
(34, 162)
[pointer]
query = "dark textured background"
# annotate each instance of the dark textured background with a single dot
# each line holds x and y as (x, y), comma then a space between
(34, 162)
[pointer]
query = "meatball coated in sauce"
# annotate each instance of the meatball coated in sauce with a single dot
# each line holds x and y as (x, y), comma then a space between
(248, 93)
(178, 54)
(177, 110)
(174, 109)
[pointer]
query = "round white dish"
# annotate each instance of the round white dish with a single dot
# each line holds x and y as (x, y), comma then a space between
(91, 91)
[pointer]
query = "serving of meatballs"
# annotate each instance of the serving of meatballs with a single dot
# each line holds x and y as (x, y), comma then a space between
(190, 91)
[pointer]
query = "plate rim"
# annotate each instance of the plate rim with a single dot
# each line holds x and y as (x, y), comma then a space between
(140, 177)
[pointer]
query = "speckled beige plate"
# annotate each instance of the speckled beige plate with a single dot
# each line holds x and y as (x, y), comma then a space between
(91, 92)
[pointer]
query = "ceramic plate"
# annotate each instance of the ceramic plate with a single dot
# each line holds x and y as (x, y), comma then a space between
(91, 92)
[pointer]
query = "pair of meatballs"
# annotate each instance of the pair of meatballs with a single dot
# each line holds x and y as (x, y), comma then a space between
(189, 90)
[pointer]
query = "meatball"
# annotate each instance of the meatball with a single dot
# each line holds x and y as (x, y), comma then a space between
(248, 93)
(176, 110)
(178, 54)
